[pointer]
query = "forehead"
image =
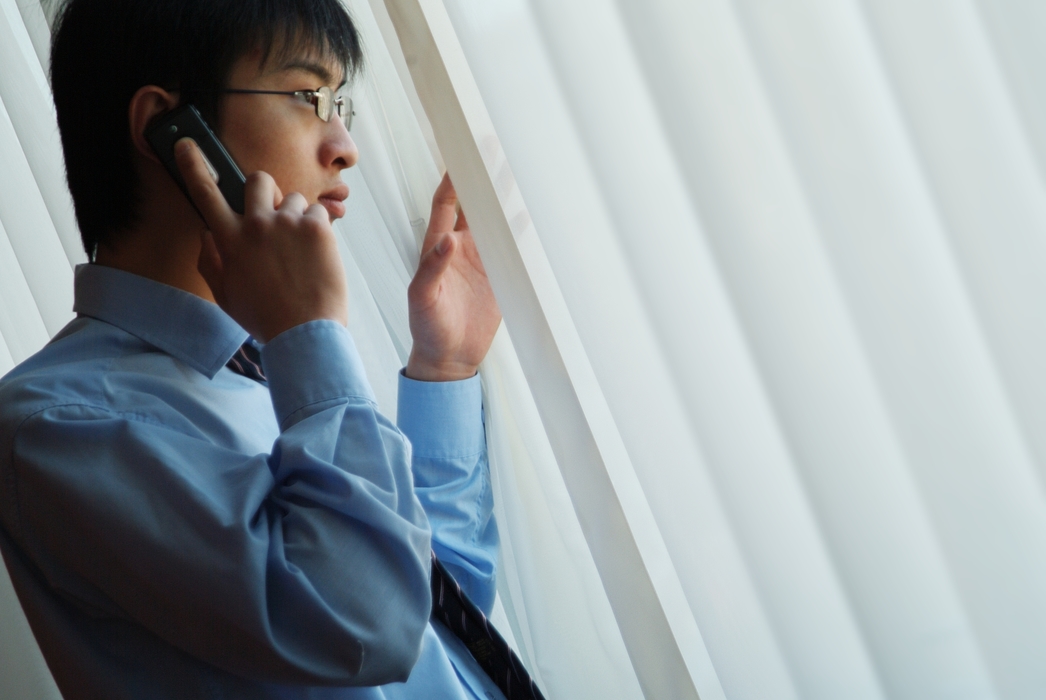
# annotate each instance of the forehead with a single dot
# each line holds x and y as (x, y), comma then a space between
(295, 59)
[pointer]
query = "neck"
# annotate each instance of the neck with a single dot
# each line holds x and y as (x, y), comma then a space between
(161, 247)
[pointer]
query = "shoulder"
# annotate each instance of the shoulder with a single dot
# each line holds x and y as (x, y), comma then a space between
(86, 364)
(93, 370)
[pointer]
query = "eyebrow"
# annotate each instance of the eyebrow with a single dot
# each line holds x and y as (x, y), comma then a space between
(317, 69)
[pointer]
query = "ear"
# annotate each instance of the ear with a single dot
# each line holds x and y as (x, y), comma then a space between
(147, 104)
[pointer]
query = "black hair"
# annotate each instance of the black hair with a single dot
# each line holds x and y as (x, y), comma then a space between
(103, 51)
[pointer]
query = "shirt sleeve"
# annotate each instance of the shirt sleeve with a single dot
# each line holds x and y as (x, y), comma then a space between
(308, 565)
(444, 421)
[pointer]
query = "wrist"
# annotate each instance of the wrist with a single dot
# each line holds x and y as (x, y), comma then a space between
(428, 371)
(279, 326)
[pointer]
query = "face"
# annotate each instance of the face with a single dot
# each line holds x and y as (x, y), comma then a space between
(282, 135)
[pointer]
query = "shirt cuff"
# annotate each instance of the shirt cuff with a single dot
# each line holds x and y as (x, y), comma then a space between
(442, 419)
(313, 363)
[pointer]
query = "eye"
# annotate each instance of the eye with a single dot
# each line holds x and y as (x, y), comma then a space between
(306, 96)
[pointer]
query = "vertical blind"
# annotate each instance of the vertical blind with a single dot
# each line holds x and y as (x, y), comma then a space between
(800, 244)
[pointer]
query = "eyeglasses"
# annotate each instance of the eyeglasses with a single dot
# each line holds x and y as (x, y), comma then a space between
(323, 99)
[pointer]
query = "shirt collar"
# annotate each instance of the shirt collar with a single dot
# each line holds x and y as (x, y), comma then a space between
(180, 324)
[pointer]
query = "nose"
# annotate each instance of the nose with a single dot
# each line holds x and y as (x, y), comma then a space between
(338, 149)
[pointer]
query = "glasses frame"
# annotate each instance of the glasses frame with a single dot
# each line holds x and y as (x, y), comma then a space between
(323, 99)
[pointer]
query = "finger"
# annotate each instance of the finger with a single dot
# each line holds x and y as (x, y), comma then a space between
(260, 193)
(210, 264)
(444, 203)
(203, 190)
(425, 285)
(294, 203)
(318, 212)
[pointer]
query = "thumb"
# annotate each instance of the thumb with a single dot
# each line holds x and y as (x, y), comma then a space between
(425, 285)
(210, 264)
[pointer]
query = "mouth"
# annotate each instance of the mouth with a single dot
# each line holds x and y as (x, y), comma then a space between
(333, 200)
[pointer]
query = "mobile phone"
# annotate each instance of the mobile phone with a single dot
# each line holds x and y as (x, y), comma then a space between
(185, 121)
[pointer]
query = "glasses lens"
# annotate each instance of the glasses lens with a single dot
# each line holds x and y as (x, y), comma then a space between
(324, 102)
(345, 111)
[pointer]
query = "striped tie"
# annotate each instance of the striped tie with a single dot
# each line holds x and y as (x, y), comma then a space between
(452, 607)
(247, 361)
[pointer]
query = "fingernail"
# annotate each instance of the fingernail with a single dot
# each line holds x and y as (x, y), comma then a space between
(442, 246)
(182, 146)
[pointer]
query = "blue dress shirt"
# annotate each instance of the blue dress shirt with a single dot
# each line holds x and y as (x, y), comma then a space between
(176, 530)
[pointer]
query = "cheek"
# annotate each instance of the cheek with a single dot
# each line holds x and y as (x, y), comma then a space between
(249, 146)
(259, 141)
(258, 147)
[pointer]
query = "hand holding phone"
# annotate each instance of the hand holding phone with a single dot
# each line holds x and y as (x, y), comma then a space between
(273, 269)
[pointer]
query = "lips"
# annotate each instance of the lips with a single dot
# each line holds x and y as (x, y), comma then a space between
(333, 200)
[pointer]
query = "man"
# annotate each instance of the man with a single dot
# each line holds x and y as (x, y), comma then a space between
(175, 523)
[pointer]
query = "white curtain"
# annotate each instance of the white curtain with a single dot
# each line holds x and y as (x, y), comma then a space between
(799, 242)
(37, 246)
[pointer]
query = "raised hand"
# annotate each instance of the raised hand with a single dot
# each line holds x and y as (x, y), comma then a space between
(273, 268)
(453, 313)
